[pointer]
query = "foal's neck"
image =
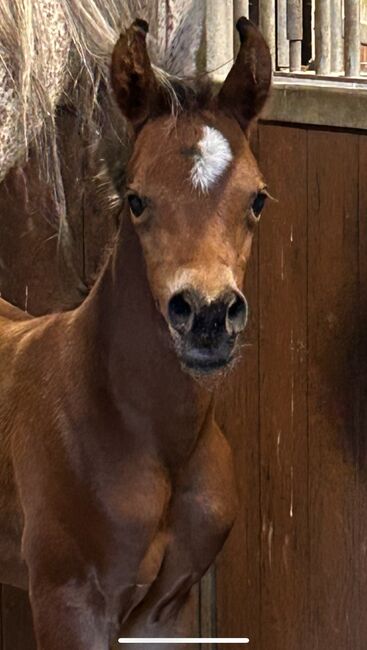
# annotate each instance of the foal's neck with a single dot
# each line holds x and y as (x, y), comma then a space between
(133, 344)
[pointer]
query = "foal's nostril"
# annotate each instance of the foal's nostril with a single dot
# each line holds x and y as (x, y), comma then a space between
(188, 311)
(180, 312)
(236, 314)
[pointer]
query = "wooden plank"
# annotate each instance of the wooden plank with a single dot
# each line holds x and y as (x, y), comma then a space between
(238, 566)
(283, 398)
(322, 36)
(305, 100)
(1, 618)
(28, 278)
(72, 152)
(195, 614)
(17, 620)
(206, 605)
(267, 16)
(333, 354)
(362, 394)
(33, 274)
(352, 37)
(100, 215)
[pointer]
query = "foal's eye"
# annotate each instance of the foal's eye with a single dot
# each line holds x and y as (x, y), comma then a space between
(137, 205)
(258, 204)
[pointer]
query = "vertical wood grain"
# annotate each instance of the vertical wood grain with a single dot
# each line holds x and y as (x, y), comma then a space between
(283, 391)
(1, 618)
(28, 247)
(333, 367)
(362, 394)
(34, 274)
(238, 589)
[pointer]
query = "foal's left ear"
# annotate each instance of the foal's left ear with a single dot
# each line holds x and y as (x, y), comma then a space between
(246, 88)
(132, 76)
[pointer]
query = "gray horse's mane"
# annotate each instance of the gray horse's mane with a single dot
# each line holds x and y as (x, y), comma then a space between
(57, 52)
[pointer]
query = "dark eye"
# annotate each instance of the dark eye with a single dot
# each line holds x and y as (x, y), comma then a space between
(258, 204)
(137, 205)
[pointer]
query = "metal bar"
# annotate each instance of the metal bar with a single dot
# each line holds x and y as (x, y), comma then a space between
(337, 47)
(282, 62)
(219, 37)
(240, 8)
(322, 36)
(352, 38)
(294, 33)
(267, 25)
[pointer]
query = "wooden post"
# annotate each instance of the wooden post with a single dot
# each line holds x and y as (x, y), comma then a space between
(219, 37)
(336, 26)
(352, 39)
(240, 8)
(294, 34)
(267, 25)
(282, 62)
(322, 36)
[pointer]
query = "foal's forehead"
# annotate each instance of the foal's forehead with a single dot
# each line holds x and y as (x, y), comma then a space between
(211, 156)
(199, 151)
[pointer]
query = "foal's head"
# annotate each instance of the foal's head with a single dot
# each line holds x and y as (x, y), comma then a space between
(195, 192)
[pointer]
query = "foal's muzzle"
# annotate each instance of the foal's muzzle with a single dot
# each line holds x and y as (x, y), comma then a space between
(207, 331)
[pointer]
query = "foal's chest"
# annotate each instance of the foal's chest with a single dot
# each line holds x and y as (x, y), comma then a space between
(171, 527)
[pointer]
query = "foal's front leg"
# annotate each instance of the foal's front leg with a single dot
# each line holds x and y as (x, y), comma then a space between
(68, 612)
(64, 618)
(202, 513)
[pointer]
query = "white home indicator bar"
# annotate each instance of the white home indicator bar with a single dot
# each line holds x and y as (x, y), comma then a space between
(187, 640)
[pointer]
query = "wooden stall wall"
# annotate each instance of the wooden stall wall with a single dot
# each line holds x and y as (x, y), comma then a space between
(293, 574)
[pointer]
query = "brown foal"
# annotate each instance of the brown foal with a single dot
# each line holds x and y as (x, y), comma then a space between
(116, 484)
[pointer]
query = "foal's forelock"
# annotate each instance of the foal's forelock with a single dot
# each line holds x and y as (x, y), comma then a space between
(212, 157)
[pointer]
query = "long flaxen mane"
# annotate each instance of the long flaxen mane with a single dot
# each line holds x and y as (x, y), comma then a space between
(56, 53)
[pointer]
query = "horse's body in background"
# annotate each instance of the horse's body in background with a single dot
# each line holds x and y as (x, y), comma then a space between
(55, 57)
(117, 488)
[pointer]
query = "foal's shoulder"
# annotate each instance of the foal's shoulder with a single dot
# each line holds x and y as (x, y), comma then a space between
(12, 313)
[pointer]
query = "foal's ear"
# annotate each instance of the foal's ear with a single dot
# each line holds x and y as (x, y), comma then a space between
(132, 76)
(246, 88)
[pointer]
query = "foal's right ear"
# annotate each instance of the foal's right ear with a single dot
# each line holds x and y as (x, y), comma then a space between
(246, 88)
(132, 76)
